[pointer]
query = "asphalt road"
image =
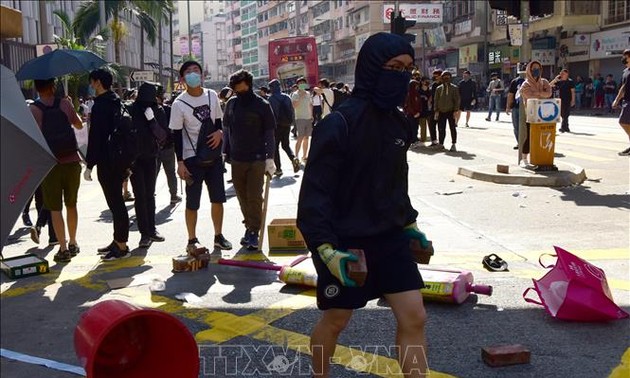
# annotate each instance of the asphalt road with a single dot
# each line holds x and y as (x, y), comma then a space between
(247, 323)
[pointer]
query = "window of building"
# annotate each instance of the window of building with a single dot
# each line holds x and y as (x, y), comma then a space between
(618, 11)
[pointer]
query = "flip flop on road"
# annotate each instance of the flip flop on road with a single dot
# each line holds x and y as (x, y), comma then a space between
(494, 263)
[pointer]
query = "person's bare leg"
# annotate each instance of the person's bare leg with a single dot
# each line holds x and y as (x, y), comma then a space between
(60, 229)
(298, 144)
(73, 221)
(306, 141)
(324, 339)
(216, 212)
(191, 223)
(626, 128)
(408, 309)
(467, 117)
(457, 115)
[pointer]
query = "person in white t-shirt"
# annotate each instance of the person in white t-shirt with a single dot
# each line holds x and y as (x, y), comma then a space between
(194, 108)
(328, 97)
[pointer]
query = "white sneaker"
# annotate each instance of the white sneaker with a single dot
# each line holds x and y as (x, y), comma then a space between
(524, 163)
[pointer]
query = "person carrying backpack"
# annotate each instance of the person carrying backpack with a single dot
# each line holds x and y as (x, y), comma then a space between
(56, 117)
(151, 124)
(105, 118)
(284, 112)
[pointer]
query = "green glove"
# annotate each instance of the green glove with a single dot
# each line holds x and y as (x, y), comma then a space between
(336, 261)
(413, 232)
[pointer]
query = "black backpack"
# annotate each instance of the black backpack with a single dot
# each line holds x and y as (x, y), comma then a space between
(122, 143)
(282, 104)
(57, 130)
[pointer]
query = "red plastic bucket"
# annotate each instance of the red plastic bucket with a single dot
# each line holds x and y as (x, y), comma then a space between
(117, 339)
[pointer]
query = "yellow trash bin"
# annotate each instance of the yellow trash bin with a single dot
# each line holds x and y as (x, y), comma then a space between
(542, 143)
(543, 114)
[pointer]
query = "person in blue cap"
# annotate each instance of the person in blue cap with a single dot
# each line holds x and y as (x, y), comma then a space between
(354, 196)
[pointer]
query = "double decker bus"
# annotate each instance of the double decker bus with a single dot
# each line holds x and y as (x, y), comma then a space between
(291, 58)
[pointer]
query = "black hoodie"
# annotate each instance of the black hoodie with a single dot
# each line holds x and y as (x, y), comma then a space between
(355, 182)
(101, 126)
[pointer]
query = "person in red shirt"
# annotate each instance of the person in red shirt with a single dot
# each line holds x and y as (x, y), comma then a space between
(413, 108)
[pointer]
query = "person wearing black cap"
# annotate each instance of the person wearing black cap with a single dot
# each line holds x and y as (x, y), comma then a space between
(354, 195)
(145, 111)
(250, 147)
(437, 81)
(468, 96)
(285, 114)
(446, 104)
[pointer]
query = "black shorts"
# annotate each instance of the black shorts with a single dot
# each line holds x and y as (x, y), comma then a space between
(391, 269)
(212, 176)
(624, 116)
(466, 105)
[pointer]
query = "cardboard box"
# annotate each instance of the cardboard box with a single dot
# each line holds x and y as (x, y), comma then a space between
(285, 236)
(24, 266)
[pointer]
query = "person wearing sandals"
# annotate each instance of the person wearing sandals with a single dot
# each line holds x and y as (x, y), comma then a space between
(61, 185)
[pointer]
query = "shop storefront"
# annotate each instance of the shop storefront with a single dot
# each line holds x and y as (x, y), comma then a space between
(606, 49)
(503, 60)
(469, 57)
(544, 51)
(574, 55)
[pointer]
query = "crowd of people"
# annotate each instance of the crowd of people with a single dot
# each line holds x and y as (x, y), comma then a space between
(354, 188)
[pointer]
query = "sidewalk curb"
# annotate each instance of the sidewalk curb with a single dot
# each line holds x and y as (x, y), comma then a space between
(567, 175)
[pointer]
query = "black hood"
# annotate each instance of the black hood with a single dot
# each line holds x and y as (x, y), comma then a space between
(147, 93)
(274, 85)
(376, 51)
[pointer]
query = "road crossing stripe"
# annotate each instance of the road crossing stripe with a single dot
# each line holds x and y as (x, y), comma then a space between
(623, 369)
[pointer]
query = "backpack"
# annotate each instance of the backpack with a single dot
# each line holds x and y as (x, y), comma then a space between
(57, 130)
(284, 116)
(122, 143)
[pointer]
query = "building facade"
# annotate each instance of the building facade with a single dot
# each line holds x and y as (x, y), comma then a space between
(40, 25)
(585, 37)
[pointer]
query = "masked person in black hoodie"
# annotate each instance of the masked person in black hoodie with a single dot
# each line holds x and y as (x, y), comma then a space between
(102, 117)
(250, 146)
(144, 112)
(354, 195)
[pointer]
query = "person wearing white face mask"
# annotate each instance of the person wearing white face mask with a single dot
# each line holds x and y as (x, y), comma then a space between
(196, 120)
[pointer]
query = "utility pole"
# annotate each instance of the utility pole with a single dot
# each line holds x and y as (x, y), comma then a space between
(170, 22)
(486, 18)
(188, 32)
(525, 52)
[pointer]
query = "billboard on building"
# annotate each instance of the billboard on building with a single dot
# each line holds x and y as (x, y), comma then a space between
(293, 57)
(421, 13)
(609, 44)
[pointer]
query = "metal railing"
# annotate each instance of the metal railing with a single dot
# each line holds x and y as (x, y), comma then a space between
(14, 54)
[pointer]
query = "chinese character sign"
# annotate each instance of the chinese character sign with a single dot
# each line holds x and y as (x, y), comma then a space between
(421, 13)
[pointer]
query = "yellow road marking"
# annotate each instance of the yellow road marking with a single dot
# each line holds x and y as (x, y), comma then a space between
(623, 370)
(357, 360)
